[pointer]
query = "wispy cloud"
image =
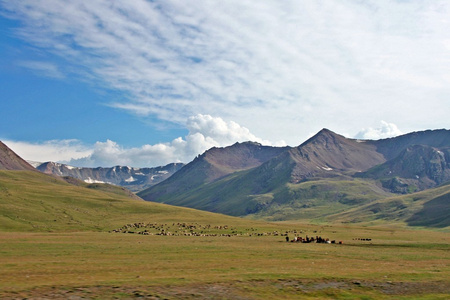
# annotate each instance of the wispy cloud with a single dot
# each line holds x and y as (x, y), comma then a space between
(42, 68)
(269, 65)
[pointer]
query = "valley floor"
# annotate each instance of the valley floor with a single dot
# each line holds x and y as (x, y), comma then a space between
(395, 263)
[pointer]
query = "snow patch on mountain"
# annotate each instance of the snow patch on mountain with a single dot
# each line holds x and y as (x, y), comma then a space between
(131, 179)
(90, 180)
(135, 179)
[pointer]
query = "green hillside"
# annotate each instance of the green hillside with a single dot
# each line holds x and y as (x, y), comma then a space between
(228, 195)
(261, 195)
(316, 199)
(430, 208)
(31, 201)
(325, 176)
(256, 194)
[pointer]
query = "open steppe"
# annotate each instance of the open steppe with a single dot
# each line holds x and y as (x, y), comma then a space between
(395, 263)
(62, 241)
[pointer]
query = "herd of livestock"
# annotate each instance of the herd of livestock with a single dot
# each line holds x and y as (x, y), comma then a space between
(190, 229)
(196, 229)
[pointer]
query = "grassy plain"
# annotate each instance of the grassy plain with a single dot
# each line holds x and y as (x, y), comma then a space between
(396, 263)
(55, 243)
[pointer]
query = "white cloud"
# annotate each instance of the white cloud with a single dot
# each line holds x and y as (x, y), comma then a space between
(223, 133)
(204, 132)
(54, 150)
(386, 130)
(271, 66)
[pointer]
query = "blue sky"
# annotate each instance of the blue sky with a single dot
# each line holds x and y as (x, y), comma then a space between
(145, 83)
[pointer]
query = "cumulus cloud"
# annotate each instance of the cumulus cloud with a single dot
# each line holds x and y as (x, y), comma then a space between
(205, 132)
(293, 64)
(386, 130)
(223, 133)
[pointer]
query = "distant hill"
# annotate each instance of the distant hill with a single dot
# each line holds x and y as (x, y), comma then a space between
(134, 179)
(33, 201)
(214, 164)
(105, 187)
(429, 208)
(325, 175)
(416, 168)
(11, 161)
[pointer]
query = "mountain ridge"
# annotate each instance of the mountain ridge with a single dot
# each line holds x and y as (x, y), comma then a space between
(208, 167)
(320, 176)
(134, 179)
(321, 179)
(417, 167)
(348, 155)
(434, 138)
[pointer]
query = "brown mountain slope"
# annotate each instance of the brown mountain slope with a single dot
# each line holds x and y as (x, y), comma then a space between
(238, 157)
(328, 154)
(248, 169)
(416, 168)
(11, 161)
(314, 179)
(392, 147)
(212, 165)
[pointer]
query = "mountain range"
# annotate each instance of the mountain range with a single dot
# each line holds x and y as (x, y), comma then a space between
(324, 176)
(134, 179)
(328, 178)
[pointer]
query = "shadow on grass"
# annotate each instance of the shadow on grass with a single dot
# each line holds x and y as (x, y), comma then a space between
(435, 213)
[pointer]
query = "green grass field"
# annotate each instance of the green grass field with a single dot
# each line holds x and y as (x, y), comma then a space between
(57, 242)
(395, 263)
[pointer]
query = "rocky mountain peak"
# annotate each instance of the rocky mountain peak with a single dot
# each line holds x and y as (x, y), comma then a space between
(327, 139)
(326, 169)
(330, 153)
